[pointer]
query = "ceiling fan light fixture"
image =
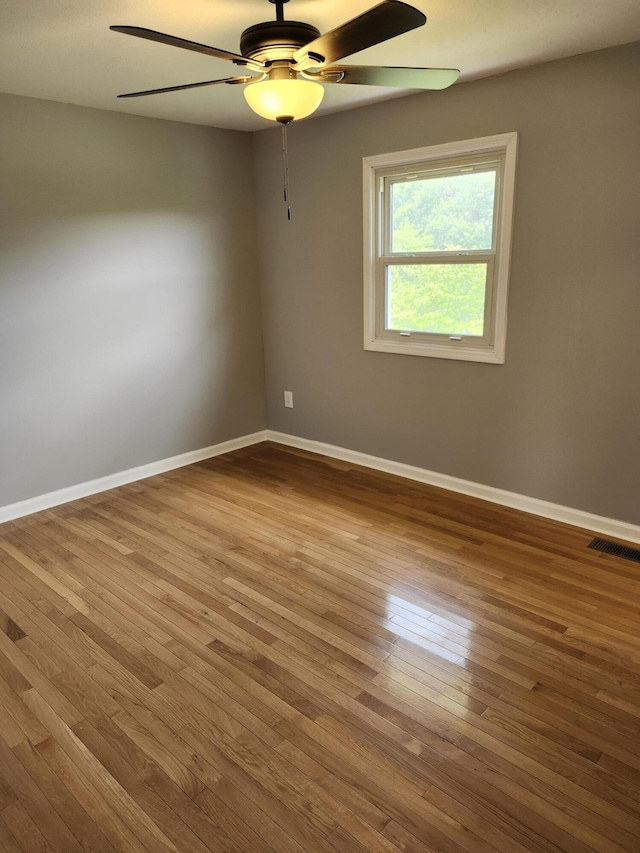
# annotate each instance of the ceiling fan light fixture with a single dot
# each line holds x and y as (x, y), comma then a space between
(288, 99)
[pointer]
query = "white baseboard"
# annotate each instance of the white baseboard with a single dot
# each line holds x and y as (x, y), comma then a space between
(103, 484)
(576, 517)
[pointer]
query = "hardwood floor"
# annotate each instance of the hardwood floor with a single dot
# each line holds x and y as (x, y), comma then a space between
(273, 652)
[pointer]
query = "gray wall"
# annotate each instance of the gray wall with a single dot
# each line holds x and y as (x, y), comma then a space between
(130, 325)
(559, 421)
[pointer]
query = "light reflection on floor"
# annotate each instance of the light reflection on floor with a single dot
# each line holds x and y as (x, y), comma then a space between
(428, 630)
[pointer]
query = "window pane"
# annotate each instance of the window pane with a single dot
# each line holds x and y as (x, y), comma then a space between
(442, 214)
(445, 299)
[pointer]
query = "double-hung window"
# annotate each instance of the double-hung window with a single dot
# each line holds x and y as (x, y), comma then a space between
(437, 244)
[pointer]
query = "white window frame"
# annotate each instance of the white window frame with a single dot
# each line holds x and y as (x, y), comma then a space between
(378, 256)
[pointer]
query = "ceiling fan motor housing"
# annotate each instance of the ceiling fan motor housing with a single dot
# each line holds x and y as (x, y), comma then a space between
(276, 39)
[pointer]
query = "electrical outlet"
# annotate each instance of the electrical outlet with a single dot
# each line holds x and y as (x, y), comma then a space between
(288, 399)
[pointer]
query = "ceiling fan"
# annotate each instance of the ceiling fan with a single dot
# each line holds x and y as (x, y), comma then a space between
(290, 59)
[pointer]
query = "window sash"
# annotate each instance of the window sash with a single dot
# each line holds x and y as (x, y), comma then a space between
(459, 341)
(423, 171)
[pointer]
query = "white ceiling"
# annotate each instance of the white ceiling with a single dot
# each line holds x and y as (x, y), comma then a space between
(62, 50)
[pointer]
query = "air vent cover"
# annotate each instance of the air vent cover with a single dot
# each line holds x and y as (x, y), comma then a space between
(616, 549)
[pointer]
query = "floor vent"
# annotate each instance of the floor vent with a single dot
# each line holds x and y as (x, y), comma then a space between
(615, 549)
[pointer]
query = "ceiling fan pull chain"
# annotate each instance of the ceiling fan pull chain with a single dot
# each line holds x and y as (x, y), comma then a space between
(285, 162)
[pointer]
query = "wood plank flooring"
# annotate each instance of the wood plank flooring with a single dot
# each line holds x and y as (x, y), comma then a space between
(271, 652)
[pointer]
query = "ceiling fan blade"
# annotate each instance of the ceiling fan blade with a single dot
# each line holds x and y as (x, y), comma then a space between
(385, 21)
(188, 86)
(401, 78)
(174, 41)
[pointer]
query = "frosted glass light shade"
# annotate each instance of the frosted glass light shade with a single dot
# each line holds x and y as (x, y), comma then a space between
(277, 99)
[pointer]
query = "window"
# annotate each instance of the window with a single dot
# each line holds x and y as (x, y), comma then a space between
(437, 247)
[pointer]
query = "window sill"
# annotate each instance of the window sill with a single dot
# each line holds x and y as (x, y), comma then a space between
(485, 355)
